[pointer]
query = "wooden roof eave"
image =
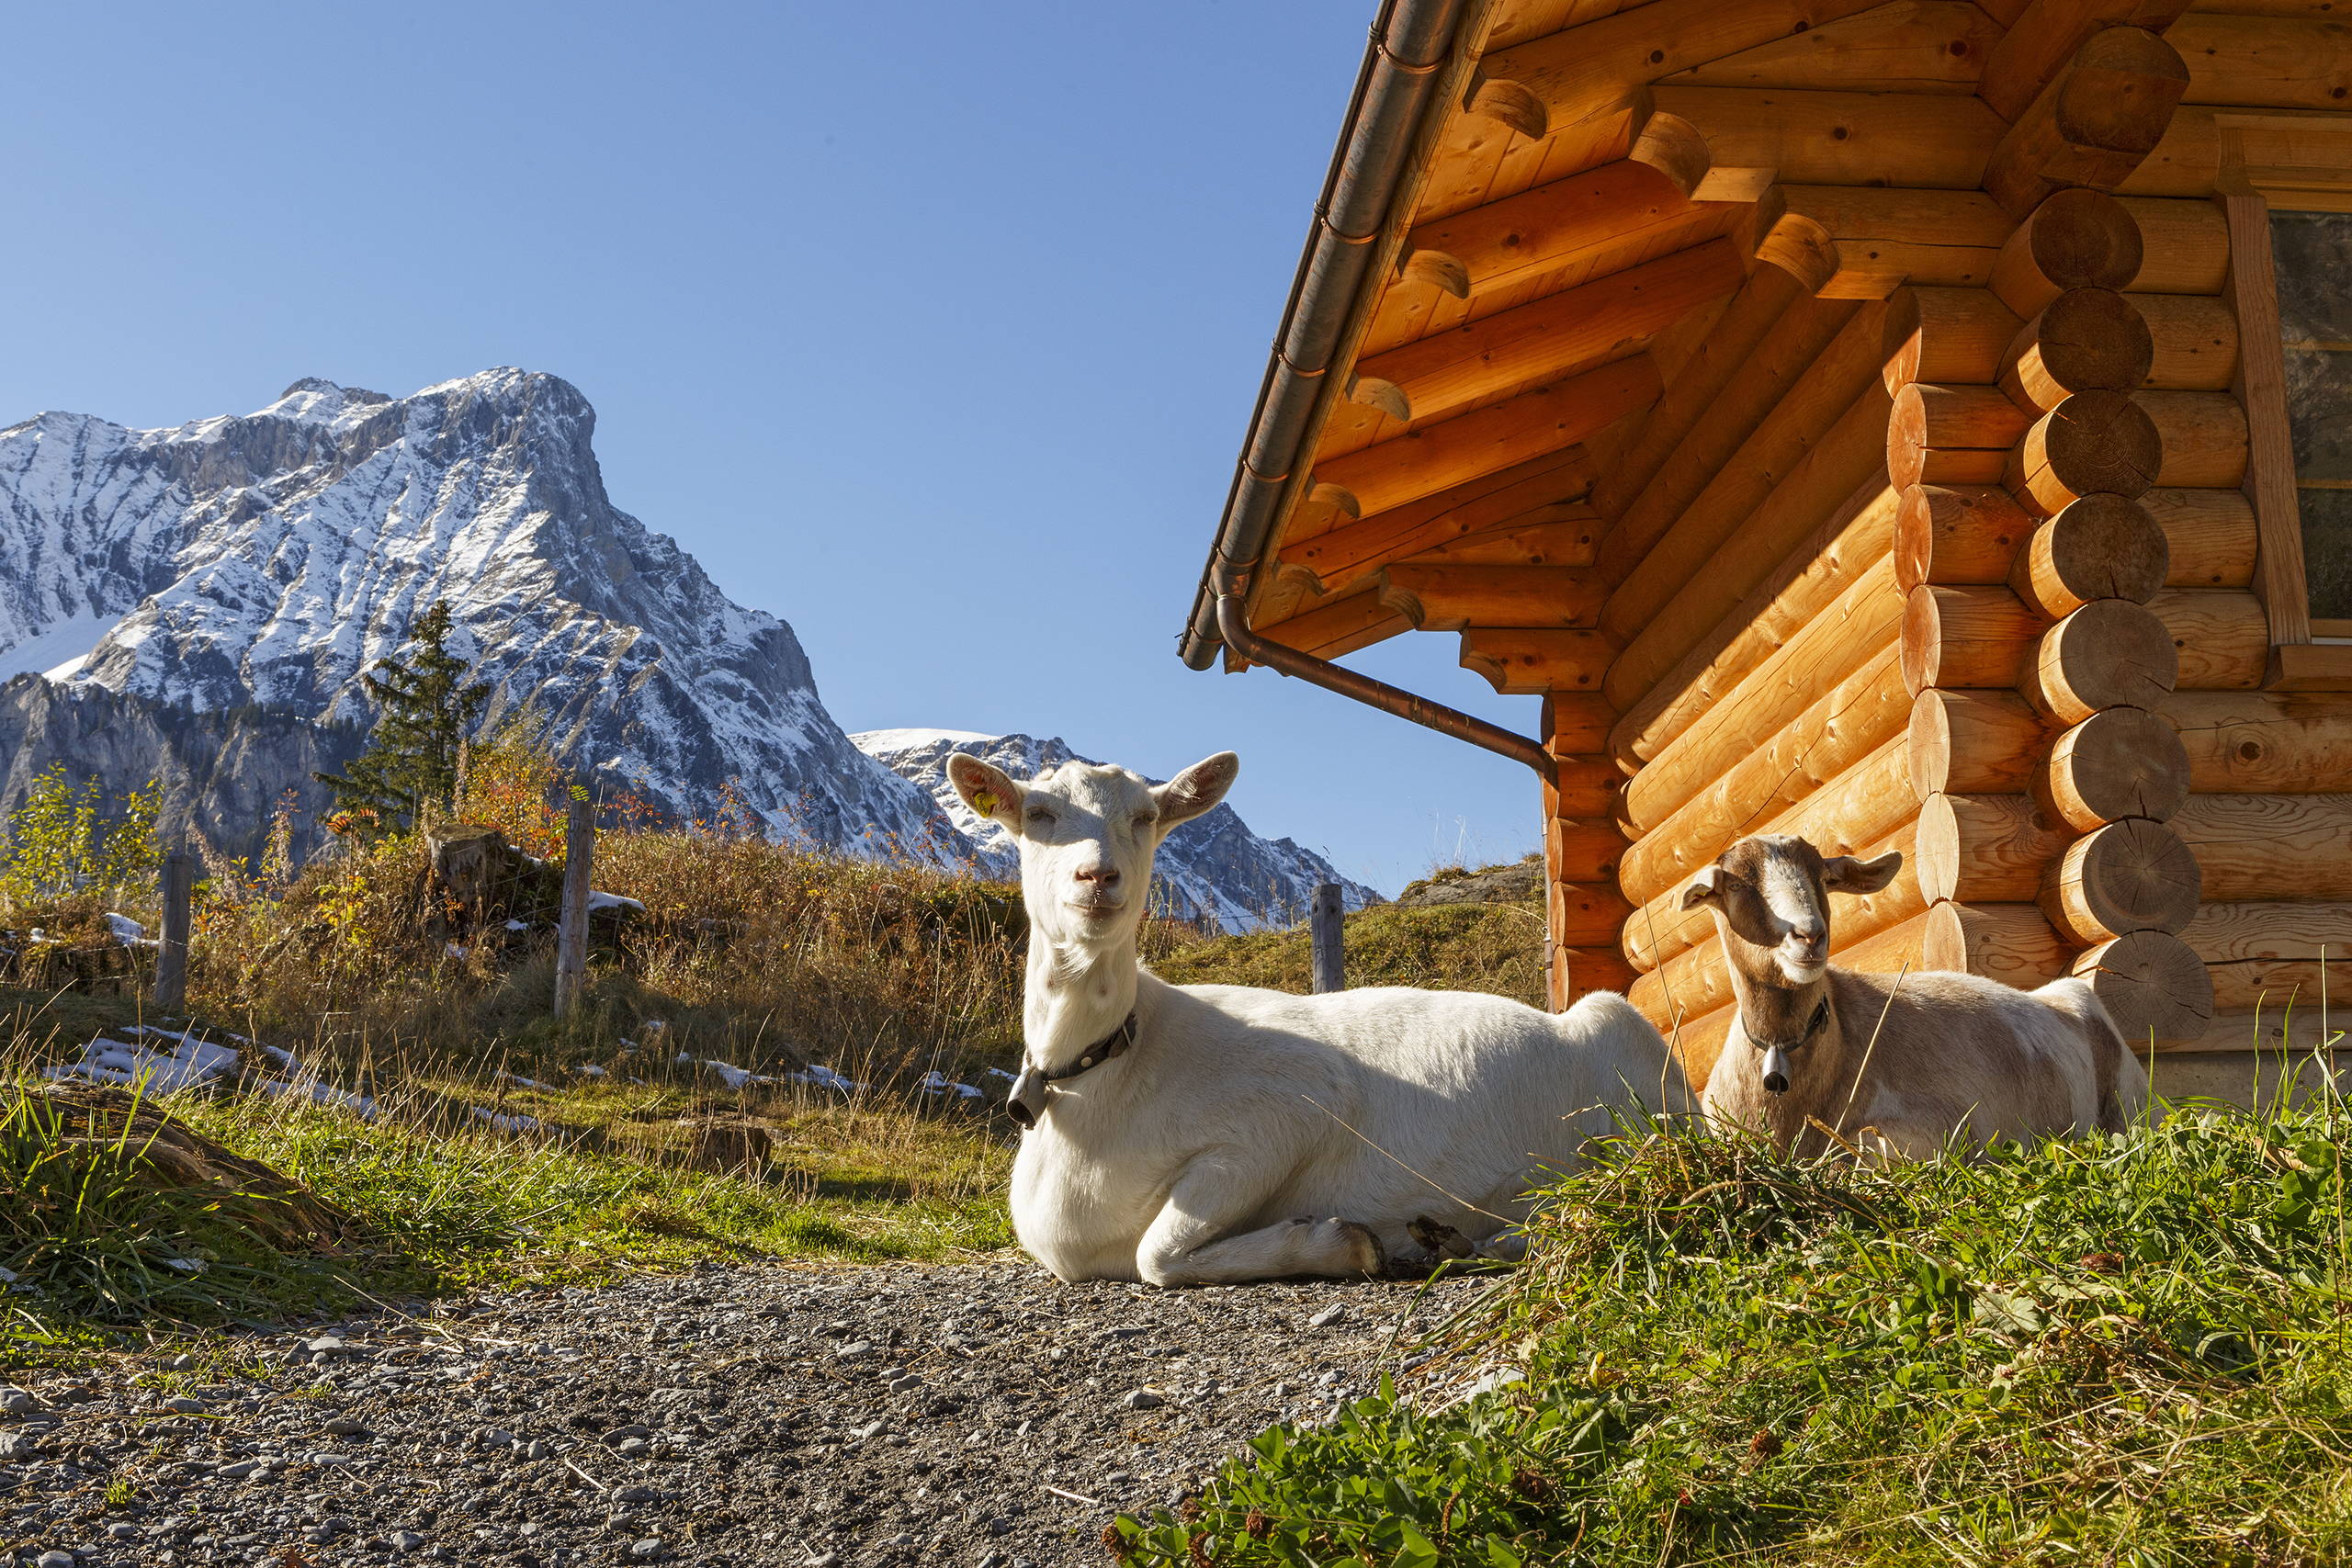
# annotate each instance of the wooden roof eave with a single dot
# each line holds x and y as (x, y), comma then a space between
(1416, 72)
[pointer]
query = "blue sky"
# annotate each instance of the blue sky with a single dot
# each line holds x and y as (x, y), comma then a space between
(930, 327)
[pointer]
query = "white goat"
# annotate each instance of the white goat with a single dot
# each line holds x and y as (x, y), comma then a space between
(1198, 1134)
(1895, 1063)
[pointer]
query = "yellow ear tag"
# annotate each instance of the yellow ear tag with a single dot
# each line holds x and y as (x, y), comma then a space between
(984, 802)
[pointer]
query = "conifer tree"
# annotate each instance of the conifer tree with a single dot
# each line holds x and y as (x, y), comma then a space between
(428, 709)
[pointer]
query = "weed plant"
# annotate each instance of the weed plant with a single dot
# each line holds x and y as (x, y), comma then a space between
(2133, 1349)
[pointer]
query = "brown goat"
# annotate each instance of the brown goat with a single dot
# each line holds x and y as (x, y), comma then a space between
(1892, 1063)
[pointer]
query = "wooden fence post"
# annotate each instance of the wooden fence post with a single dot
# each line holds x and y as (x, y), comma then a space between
(1328, 932)
(179, 920)
(572, 931)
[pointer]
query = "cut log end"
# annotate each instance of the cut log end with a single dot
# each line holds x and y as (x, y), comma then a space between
(1513, 104)
(2093, 443)
(2109, 653)
(2118, 764)
(2154, 987)
(2128, 877)
(1440, 271)
(2101, 547)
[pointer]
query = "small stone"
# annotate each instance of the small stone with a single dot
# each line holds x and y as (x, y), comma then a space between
(1327, 1317)
(1144, 1399)
(239, 1470)
(17, 1402)
(185, 1406)
(348, 1426)
(406, 1540)
(54, 1560)
(327, 1345)
(535, 1449)
(648, 1548)
(18, 1445)
(638, 1495)
(621, 1434)
(991, 1560)
(824, 1559)
(856, 1352)
(635, 1447)
(122, 1530)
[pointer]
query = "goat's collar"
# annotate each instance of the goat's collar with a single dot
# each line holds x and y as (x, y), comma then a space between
(1812, 1028)
(1026, 1101)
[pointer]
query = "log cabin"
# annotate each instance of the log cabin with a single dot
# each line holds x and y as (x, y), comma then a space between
(1922, 426)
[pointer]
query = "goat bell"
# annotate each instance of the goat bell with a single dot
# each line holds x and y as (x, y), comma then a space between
(1776, 1070)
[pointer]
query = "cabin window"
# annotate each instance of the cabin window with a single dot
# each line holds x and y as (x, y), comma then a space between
(2314, 252)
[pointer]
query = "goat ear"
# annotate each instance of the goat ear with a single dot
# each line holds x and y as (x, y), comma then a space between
(1704, 888)
(985, 789)
(1844, 873)
(1195, 790)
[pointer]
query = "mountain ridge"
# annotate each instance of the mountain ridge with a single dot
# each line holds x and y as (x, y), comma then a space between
(201, 601)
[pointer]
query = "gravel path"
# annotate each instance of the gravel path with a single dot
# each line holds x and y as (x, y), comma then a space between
(980, 1417)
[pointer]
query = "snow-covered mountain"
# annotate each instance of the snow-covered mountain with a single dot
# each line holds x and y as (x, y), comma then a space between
(1212, 867)
(198, 604)
(269, 559)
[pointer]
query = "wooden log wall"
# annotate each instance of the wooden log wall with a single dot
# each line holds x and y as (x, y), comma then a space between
(2045, 627)
(1969, 655)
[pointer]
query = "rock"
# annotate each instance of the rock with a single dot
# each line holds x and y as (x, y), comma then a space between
(17, 1402)
(406, 1540)
(18, 1445)
(1328, 1316)
(54, 1560)
(635, 1447)
(348, 1426)
(649, 1548)
(1144, 1399)
(185, 1405)
(637, 1495)
(856, 1352)
(621, 1434)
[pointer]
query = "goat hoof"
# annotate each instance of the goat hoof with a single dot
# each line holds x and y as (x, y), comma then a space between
(1440, 1238)
(1358, 1248)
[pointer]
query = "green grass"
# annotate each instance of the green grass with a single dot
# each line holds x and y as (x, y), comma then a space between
(2131, 1349)
(102, 1251)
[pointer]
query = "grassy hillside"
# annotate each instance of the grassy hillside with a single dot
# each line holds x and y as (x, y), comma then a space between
(2133, 1349)
(1493, 944)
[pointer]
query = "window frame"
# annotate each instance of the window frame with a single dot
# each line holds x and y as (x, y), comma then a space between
(2296, 162)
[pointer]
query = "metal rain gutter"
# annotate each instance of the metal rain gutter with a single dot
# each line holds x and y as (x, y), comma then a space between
(1394, 91)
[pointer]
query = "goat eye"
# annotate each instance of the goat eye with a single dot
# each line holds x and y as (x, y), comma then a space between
(1039, 813)
(1145, 820)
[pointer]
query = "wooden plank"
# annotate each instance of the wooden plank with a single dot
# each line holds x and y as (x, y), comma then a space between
(1758, 138)
(2271, 953)
(2287, 62)
(1549, 83)
(1338, 627)
(2250, 846)
(1485, 247)
(1861, 243)
(1750, 316)
(2263, 742)
(1343, 556)
(1537, 661)
(1910, 46)
(1426, 460)
(1441, 376)
(2261, 387)
(1447, 598)
(1765, 416)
